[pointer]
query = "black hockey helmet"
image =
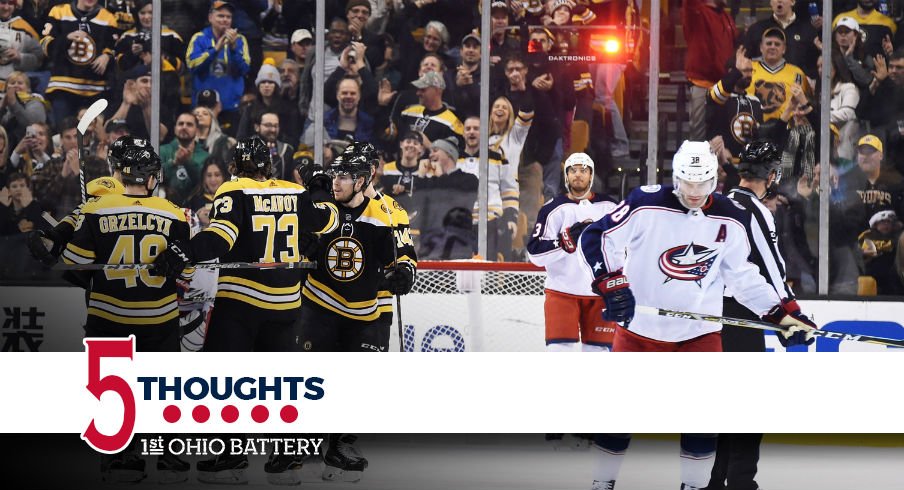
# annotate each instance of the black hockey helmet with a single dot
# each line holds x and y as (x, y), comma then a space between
(354, 165)
(139, 164)
(252, 156)
(364, 149)
(119, 148)
(759, 159)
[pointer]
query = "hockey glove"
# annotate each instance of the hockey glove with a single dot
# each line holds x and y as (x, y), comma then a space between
(315, 179)
(172, 261)
(38, 246)
(799, 331)
(399, 279)
(568, 239)
(309, 243)
(616, 291)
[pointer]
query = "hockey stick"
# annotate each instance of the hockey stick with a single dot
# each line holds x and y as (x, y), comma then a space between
(90, 115)
(737, 322)
(221, 265)
(395, 260)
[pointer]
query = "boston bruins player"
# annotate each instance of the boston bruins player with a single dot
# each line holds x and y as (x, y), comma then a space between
(342, 308)
(131, 227)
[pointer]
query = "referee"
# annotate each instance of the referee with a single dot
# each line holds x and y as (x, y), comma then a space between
(760, 168)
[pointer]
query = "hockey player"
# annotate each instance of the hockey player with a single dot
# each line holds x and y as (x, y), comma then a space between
(131, 228)
(760, 168)
(681, 246)
(343, 309)
(572, 310)
(255, 218)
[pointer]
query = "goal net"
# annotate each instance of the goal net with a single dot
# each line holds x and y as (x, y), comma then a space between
(466, 306)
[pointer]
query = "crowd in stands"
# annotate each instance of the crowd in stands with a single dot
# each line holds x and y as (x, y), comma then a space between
(405, 75)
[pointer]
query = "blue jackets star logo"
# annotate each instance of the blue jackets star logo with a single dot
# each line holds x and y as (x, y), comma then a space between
(687, 262)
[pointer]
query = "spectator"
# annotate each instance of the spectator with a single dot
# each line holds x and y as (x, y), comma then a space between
(502, 192)
(848, 40)
(267, 99)
(508, 133)
(20, 108)
(456, 240)
(78, 42)
(731, 114)
(431, 116)
(135, 108)
(773, 77)
(352, 66)
(440, 186)
(347, 121)
(19, 212)
(218, 145)
(182, 159)
(213, 174)
(878, 188)
(879, 245)
(134, 45)
(289, 74)
(799, 33)
(276, 30)
(435, 41)
(219, 59)
(892, 127)
(843, 105)
(267, 127)
(33, 151)
(56, 184)
(710, 33)
(246, 18)
(878, 29)
(398, 175)
(465, 82)
(21, 50)
(300, 47)
(391, 103)
(357, 12)
(113, 130)
(210, 98)
(503, 42)
(337, 39)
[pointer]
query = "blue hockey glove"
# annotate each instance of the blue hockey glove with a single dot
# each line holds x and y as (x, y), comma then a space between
(616, 291)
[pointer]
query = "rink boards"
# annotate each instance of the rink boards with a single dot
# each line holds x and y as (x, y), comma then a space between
(50, 320)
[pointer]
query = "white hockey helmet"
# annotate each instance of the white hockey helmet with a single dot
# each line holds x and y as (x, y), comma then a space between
(577, 159)
(695, 165)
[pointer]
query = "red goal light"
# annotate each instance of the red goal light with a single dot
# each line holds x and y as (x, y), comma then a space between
(605, 44)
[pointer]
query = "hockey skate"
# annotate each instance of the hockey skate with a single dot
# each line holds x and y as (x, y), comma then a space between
(603, 485)
(224, 469)
(343, 461)
(172, 469)
(119, 469)
(283, 470)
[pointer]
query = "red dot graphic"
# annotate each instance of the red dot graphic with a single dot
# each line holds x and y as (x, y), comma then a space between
(260, 414)
(201, 414)
(171, 414)
(230, 414)
(289, 414)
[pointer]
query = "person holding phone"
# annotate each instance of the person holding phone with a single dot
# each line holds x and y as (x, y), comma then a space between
(31, 154)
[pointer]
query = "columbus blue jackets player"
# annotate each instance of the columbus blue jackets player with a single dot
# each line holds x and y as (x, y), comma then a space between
(681, 246)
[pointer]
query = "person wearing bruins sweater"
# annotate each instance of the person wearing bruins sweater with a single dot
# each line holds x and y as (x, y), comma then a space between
(255, 218)
(342, 309)
(19, 48)
(134, 45)
(78, 39)
(131, 228)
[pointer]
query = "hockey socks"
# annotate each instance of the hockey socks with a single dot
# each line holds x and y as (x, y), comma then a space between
(698, 453)
(609, 457)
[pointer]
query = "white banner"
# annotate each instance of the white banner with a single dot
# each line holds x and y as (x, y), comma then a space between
(467, 393)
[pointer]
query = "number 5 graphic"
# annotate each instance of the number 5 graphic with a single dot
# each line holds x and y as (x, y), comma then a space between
(98, 349)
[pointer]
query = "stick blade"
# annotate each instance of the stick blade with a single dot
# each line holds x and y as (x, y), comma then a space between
(91, 114)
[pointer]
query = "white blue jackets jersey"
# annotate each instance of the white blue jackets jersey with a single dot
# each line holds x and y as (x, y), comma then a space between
(565, 272)
(678, 259)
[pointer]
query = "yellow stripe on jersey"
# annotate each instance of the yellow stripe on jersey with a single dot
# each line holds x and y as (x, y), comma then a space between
(133, 312)
(322, 295)
(259, 295)
(226, 230)
(333, 223)
(446, 118)
(77, 255)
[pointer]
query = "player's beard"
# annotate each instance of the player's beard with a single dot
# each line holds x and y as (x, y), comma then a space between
(579, 191)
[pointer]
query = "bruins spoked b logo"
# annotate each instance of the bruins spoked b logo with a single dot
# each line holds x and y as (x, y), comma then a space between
(345, 258)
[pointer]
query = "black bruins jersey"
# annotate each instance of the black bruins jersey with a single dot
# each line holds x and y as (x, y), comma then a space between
(434, 124)
(122, 229)
(259, 221)
(734, 117)
(404, 251)
(72, 71)
(352, 259)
